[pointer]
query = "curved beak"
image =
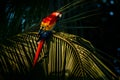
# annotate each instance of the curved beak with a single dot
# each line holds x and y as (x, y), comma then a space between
(60, 15)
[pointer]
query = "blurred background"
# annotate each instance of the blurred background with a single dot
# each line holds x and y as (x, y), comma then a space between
(94, 20)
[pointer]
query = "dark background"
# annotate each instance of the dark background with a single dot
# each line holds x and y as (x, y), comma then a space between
(17, 16)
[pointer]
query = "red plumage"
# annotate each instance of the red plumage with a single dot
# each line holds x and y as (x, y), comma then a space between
(47, 24)
(39, 48)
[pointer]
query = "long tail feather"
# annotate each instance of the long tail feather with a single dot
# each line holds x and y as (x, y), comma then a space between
(39, 48)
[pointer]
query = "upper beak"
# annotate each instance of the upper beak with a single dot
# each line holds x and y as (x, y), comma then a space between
(60, 15)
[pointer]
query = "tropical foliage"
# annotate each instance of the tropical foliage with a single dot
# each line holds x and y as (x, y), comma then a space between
(62, 57)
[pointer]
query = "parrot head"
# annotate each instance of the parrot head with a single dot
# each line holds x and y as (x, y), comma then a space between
(57, 14)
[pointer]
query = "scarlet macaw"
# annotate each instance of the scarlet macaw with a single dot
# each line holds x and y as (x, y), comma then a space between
(46, 26)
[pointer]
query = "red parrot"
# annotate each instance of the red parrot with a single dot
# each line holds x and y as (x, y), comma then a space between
(46, 26)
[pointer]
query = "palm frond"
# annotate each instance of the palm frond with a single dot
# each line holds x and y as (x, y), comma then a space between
(64, 56)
